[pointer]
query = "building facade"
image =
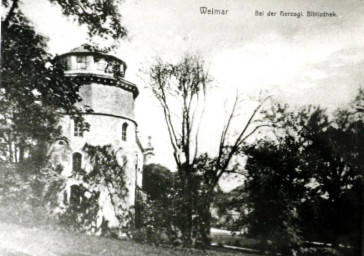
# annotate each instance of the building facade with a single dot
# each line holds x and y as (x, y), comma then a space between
(111, 122)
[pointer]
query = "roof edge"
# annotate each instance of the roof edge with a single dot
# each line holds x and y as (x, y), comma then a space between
(86, 49)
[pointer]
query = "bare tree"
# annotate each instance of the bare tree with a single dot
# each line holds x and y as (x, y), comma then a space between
(221, 164)
(181, 90)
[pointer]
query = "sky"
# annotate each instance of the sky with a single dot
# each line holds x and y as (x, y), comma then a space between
(300, 61)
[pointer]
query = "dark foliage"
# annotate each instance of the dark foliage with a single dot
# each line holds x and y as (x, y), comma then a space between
(158, 212)
(34, 92)
(165, 209)
(305, 182)
(157, 181)
(102, 18)
(226, 205)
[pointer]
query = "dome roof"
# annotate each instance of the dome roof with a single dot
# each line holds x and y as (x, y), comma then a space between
(85, 48)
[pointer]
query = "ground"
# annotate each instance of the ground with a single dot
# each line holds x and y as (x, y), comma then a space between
(26, 230)
(25, 241)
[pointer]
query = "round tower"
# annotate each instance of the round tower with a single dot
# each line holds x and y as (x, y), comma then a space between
(110, 97)
(111, 122)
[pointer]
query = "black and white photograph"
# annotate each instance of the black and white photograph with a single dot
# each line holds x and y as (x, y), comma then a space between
(169, 127)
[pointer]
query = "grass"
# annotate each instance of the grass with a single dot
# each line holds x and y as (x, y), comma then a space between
(19, 240)
(226, 238)
(27, 231)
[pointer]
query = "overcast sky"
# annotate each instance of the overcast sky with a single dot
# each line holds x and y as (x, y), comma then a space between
(299, 60)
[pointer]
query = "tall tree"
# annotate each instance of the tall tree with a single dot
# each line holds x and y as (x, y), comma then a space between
(181, 90)
(308, 175)
(34, 91)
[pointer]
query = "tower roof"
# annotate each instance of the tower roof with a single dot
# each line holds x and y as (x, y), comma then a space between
(87, 48)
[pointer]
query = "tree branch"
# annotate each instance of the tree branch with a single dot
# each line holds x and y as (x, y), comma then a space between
(10, 13)
(252, 132)
(239, 140)
(225, 130)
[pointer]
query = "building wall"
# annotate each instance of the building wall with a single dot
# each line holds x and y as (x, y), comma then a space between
(105, 130)
(108, 99)
(112, 107)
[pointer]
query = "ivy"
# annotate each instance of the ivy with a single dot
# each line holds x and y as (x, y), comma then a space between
(105, 174)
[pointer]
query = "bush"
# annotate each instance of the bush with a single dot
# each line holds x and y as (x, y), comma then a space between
(25, 195)
(157, 226)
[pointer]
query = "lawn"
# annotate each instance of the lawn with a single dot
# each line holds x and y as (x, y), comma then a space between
(24, 241)
(26, 231)
(228, 238)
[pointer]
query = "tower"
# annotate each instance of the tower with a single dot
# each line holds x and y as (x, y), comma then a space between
(149, 152)
(111, 97)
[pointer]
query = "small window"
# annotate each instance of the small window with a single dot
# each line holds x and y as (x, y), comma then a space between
(124, 131)
(78, 129)
(65, 63)
(76, 162)
(101, 65)
(81, 62)
(76, 196)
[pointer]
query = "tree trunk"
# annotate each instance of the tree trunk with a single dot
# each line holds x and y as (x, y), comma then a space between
(10, 145)
(206, 216)
(186, 205)
(21, 151)
(189, 210)
(15, 153)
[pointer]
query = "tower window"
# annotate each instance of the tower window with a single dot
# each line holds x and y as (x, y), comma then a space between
(78, 129)
(101, 65)
(81, 62)
(124, 131)
(76, 196)
(65, 63)
(76, 162)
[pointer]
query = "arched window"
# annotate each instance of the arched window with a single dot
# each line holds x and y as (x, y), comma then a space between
(124, 131)
(76, 162)
(75, 196)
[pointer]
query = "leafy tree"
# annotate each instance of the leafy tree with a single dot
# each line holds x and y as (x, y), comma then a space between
(157, 181)
(159, 220)
(34, 92)
(274, 190)
(304, 181)
(336, 167)
(102, 18)
(226, 205)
